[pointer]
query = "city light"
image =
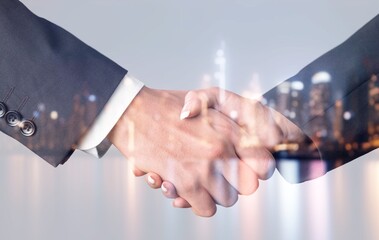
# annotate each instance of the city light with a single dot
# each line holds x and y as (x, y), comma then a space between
(92, 98)
(297, 85)
(220, 74)
(41, 107)
(321, 77)
(347, 116)
(54, 115)
(325, 112)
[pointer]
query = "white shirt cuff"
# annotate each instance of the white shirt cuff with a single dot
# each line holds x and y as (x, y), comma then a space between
(95, 141)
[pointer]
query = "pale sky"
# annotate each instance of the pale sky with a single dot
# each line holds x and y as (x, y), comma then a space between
(170, 44)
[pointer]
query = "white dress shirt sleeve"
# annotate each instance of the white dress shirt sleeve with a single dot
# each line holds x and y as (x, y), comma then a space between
(95, 141)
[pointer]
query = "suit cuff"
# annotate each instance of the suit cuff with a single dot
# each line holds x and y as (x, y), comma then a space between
(95, 141)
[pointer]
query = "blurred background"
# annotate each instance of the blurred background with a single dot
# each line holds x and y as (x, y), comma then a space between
(174, 45)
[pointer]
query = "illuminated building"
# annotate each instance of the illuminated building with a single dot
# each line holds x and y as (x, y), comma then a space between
(373, 120)
(296, 109)
(283, 98)
(254, 90)
(289, 101)
(206, 81)
(220, 74)
(338, 123)
(319, 100)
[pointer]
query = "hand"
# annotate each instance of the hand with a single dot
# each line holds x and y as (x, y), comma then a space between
(264, 128)
(197, 155)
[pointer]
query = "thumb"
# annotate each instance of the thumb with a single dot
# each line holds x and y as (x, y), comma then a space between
(138, 172)
(197, 102)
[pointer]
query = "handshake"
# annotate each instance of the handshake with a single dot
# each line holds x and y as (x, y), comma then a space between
(207, 152)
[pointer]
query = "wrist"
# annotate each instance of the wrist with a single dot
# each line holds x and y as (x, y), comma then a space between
(124, 129)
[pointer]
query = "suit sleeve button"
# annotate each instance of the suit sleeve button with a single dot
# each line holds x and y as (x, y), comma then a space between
(27, 128)
(13, 118)
(3, 109)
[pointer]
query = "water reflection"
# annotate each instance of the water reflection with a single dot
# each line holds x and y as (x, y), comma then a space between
(98, 199)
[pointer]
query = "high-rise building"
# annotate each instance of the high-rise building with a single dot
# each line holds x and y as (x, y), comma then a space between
(373, 119)
(319, 101)
(338, 122)
(206, 81)
(254, 90)
(283, 98)
(220, 73)
(296, 108)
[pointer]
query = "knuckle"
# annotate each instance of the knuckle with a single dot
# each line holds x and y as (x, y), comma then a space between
(267, 168)
(276, 137)
(257, 104)
(190, 187)
(191, 95)
(216, 89)
(217, 150)
(231, 200)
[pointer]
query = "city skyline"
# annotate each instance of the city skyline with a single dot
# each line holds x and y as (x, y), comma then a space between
(296, 101)
(330, 115)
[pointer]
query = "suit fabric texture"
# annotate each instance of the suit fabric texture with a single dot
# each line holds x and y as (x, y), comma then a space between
(335, 100)
(52, 79)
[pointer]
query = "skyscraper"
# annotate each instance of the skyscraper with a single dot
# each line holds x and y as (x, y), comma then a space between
(220, 73)
(283, 98)
(319, 100)
(296, 108)
(338, 122)
(373, 119)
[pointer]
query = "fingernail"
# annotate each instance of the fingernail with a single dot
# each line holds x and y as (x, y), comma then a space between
(150, 180)
(164, 189)
(184, 114)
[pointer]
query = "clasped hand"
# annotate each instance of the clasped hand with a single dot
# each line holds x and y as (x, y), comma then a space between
(209, 155)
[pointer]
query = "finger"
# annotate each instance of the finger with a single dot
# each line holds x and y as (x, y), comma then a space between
(236, 172)
(259, 159)
(169, 190)
(197, 102)
(153, 180)
(225, 101)
(240, 176)
(221, 191)
(201, 201)
(180, 203)
(137, 172)
(250, 151)
(261, 125)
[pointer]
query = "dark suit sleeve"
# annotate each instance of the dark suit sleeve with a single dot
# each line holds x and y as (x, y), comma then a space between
(335, 99)
(51, 79)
